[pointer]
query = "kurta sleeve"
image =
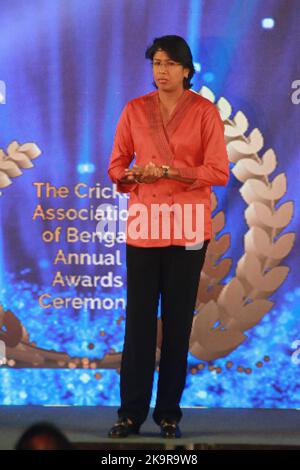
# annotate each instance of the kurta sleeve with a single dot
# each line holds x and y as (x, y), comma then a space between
(122, 153)
(215, 169)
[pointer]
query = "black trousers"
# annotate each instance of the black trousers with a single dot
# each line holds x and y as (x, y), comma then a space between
(174, 273)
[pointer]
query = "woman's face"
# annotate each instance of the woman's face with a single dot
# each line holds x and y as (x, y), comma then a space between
(167, 73)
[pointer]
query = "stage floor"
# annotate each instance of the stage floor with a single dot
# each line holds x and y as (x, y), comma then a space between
(204, 428)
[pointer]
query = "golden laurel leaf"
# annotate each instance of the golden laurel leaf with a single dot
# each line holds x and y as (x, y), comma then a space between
(18, 156)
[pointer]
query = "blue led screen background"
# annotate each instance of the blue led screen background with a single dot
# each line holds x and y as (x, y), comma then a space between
(67, 69)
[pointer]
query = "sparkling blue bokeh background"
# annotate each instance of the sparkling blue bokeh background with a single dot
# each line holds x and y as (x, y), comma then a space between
(69, 67)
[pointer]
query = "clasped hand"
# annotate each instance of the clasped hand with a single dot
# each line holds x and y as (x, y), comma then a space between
(146, 174)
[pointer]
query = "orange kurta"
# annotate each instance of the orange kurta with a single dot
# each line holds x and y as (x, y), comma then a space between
(192, 141)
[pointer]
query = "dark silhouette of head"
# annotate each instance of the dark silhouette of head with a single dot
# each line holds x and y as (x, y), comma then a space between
(43, 436)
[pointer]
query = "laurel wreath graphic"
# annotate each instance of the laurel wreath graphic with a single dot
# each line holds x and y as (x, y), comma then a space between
(224, 312)
(18, 156)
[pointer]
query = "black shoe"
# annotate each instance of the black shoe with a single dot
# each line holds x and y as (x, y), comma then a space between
(169, 428)
(123, 427)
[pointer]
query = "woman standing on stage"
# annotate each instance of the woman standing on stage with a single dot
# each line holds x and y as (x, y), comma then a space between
(177, 139)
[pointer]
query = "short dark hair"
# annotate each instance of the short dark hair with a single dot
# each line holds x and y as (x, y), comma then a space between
(43, 429)
(177, 49)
